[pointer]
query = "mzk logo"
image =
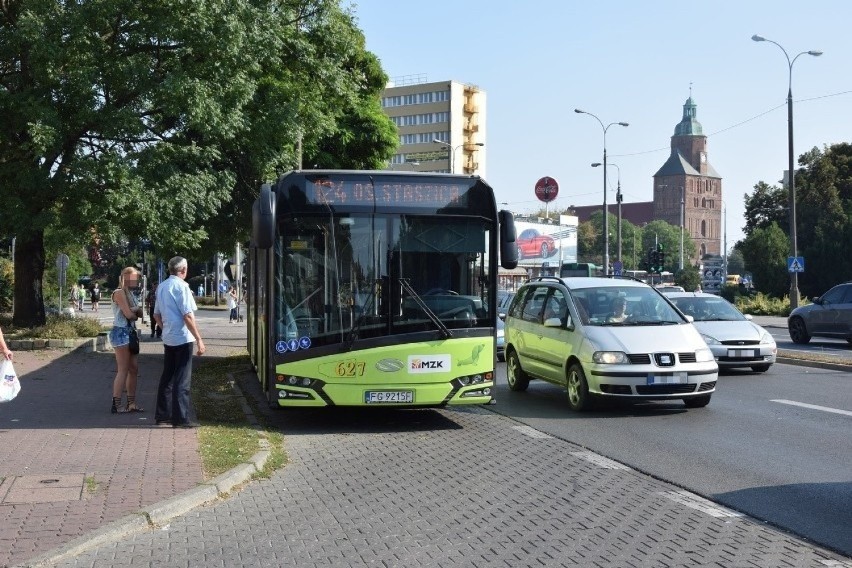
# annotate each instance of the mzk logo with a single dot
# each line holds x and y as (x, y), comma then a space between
(428, 363)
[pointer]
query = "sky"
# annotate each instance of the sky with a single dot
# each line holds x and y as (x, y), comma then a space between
(634, 62)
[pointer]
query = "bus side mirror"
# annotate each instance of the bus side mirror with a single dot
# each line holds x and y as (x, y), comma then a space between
(263, 218)
(508, 247)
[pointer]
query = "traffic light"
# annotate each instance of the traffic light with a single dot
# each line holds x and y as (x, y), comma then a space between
(652, 259)
(661, 258)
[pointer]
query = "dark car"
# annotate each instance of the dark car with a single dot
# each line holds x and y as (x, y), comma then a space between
(830, 315)
(532, 243)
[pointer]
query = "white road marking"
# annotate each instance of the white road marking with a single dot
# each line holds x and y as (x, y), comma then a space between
(531, 432)
(600, 460)
(813, 406)
(693, 501)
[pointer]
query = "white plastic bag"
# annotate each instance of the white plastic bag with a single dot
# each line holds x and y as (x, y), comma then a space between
(9, 384)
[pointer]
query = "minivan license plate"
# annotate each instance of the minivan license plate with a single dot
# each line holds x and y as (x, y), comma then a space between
(673, 379)
(388, 397)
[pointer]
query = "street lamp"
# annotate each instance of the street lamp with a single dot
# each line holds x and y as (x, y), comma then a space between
(453, 149)
(682, 215)
(605, 214)
(794, 276)
(618, 199)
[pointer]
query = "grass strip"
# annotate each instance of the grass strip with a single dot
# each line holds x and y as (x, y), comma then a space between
(226, 436)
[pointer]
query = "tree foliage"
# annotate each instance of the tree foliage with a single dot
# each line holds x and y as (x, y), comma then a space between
(765, 253)
(125, 120)
(823, 218)
(767, 204)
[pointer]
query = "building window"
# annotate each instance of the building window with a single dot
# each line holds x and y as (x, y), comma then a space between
(703, 228)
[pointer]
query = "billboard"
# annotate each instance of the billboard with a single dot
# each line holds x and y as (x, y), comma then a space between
(540, 242)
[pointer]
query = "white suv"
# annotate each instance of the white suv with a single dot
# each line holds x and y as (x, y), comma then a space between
(606, 338)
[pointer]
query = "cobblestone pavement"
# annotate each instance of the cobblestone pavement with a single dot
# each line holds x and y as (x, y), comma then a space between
(454, 488)
(68, 466)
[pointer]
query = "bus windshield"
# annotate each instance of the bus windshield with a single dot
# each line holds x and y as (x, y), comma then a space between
(341, 277)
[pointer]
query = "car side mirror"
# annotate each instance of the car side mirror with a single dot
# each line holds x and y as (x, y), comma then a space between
(569, 323)
(816, 300)
(553, 322)
(690, 319)
(748, 317)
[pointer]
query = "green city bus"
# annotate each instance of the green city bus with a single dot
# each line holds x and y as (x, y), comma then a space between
(375, 288)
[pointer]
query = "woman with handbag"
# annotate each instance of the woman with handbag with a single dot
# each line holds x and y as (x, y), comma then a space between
(125, 341)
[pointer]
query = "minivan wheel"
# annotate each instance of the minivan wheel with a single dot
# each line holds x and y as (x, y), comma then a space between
(697, 401)
(515, 376)
(798, 331)
(579, 398)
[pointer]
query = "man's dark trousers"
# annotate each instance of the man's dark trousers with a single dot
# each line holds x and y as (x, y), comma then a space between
(173, 400)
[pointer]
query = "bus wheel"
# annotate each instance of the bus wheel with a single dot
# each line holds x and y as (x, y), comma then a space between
(515, 376)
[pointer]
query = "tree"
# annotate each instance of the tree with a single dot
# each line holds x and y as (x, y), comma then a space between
(765, 253)
(125, 120)
(689, 278)
(824, 217)
(339, 121)
(766, 205)
(736, 263)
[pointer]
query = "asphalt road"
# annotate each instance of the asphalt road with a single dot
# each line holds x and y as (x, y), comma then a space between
(755, 448)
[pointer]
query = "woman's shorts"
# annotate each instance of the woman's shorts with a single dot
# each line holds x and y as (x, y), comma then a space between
(119, 336)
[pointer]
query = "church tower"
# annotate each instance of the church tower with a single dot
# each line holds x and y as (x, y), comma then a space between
(688, 185)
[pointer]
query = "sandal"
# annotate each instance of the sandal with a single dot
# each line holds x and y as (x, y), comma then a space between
(131, 405)
(116, 403)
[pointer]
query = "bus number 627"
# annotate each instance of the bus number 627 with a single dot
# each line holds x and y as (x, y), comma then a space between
(350, 368)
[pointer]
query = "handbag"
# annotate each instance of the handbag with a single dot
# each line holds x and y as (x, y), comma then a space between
(9, 384)
(134, 340)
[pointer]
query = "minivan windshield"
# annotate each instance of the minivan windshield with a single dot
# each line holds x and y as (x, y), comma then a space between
(623, 305)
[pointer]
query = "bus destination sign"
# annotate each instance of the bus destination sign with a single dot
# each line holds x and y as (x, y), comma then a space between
(387, 193)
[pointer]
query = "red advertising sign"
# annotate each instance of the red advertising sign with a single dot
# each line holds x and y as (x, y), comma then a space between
(546, 189)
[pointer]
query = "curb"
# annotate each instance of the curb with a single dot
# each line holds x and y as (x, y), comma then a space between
(88, 345)
(159, 514)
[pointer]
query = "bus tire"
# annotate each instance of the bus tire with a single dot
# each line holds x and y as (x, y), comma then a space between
(515, 375)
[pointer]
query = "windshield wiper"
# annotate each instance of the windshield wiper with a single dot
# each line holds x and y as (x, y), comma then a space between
(429, 313)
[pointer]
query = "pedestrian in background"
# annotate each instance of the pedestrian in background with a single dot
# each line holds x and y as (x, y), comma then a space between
(81, 297)
(232, 305)
(125, 311)
(95, 297)
(73, 298)
(174, 311)
(152, 302)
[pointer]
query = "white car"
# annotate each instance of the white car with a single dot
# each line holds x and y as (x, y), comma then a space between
(735, 340)
(606, 338)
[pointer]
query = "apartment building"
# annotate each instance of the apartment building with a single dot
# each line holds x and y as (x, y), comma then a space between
(441, 125)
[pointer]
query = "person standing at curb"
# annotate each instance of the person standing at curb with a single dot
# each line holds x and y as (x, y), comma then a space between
(125, 310)
(174, 311)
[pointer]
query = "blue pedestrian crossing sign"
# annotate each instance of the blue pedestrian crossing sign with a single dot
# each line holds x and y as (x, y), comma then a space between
(795, 264)
(617, 268)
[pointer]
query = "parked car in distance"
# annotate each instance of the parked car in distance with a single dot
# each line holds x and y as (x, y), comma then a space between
(500, 348)
(830, 315)
(665, 288)
(504, 298)
(533, 243)
(606, 338)
(733, 338)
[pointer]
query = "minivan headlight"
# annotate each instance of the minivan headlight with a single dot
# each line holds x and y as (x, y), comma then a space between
(709, 340)
(609, 357)
(703, 355)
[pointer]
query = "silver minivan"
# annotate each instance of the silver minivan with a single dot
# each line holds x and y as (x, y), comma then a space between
(606, 338)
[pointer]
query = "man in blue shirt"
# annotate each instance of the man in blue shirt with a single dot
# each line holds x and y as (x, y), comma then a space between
(174, 312)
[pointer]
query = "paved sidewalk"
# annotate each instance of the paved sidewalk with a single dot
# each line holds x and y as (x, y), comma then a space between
(68, 466)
